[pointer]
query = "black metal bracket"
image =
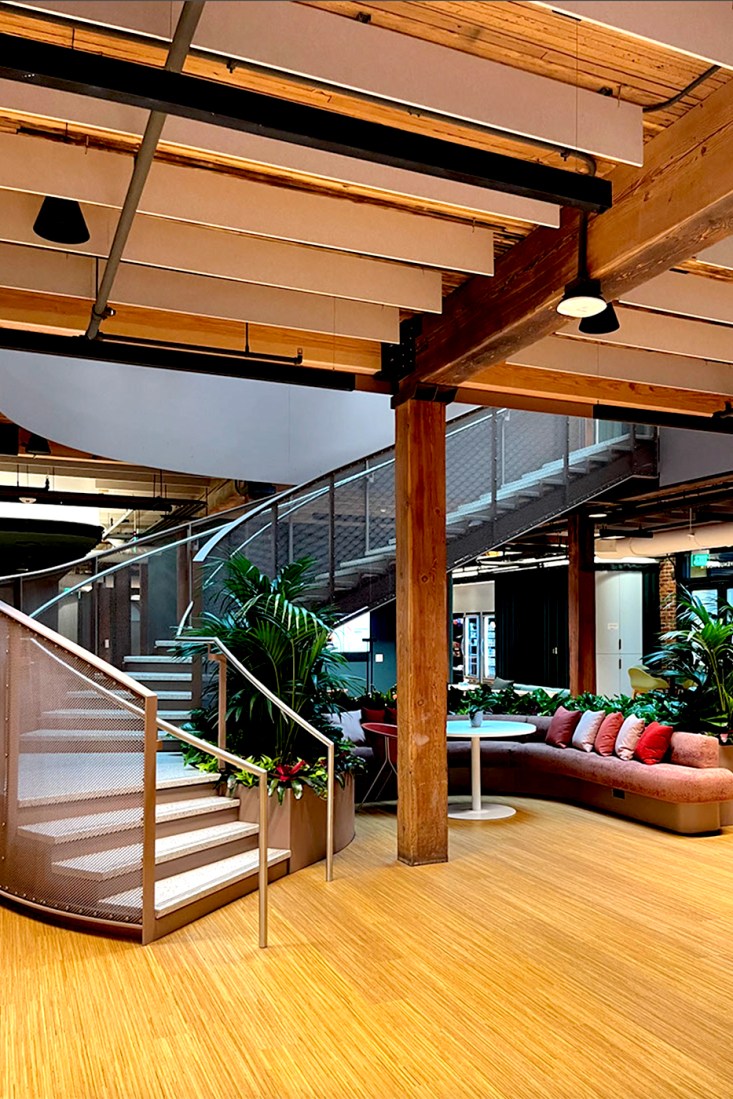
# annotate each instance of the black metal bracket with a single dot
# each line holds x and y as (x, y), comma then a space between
(217, 104)
(398, 359)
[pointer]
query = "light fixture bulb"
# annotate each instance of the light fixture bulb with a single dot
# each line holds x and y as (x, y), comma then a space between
(582, 298)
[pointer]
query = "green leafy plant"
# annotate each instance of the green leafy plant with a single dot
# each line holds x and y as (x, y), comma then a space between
(286, 645)
(697, 660)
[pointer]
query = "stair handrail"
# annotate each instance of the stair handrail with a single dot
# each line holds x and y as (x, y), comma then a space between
(152, 722)
(217, 643)
(201, 521)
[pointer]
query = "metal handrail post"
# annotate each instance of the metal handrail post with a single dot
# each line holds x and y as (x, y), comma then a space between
(149, 797)
(263, 867)
(331, 755)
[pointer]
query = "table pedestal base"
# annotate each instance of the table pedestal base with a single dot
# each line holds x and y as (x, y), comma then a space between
(486, 812)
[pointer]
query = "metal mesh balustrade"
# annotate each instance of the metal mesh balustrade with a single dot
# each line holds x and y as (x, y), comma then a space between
(506, 472)
(72, 788)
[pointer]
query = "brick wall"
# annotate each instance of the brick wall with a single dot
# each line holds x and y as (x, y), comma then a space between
(667, 594)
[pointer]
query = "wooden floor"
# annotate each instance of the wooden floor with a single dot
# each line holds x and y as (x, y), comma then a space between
(559, 955)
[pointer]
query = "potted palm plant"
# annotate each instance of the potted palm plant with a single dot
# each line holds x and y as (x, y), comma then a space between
(263, 621)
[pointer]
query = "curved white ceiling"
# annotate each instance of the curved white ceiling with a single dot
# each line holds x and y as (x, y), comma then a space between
(192, 423)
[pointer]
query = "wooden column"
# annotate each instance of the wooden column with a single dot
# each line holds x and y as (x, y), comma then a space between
(422, 647)
(581, 604)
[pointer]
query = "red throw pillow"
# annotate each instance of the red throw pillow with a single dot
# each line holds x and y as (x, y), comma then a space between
(605, 741)
(561, 728)
(390, 715)
(374, 717)
(653, 743)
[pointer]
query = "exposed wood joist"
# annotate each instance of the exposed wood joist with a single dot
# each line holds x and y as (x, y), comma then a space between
(158, 242)
(253, 149)
(172, 93)
(661, 332)
(59, 272)
(681, 200)
(206, 198)
(365, 59)
(698, 28)
(51, 313)
(532, 382)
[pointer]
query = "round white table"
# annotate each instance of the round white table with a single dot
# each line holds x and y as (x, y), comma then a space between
(493, 730)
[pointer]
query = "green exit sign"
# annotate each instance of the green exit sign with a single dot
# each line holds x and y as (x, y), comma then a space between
(699, 560)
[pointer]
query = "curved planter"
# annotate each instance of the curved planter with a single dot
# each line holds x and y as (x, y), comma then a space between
(300, 825)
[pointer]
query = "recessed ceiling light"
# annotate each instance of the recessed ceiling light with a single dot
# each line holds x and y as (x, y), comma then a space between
(597, 514)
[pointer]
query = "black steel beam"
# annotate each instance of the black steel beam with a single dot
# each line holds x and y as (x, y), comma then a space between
(171, 357)
(722, 425)
(153, 89)
(19, 494)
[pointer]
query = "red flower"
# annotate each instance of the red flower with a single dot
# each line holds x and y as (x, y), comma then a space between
(286, 771)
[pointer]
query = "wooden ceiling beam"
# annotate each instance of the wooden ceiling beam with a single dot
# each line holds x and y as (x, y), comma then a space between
(48, 312)
(588, 390)
(680, 201)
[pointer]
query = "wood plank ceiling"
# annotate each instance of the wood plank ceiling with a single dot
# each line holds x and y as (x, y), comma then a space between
(387, 239)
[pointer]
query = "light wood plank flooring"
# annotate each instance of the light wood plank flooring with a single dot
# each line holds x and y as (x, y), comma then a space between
(561, 954)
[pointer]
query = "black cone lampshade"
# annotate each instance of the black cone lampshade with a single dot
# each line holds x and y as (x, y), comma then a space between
(601, 323)
(62, 221)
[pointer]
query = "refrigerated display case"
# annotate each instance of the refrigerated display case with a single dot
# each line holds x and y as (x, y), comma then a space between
(488, 646)
(472, 646)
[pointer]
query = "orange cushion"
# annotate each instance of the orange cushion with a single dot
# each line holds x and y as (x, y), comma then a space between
(605, 740)
(653, 743)
(561, 728)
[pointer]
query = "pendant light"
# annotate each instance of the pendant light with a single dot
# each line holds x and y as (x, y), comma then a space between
(601, 323)
(61, 220)
(582, 297)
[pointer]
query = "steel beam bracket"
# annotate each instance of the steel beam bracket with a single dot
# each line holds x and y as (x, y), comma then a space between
(398, 359)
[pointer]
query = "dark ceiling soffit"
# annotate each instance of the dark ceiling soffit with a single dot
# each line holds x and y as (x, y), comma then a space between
(12, 493)
(623, 414)
(220, 364)
(152, 89)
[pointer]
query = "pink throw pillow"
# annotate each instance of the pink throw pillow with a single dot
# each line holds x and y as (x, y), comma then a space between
(605, 740)
(586, 730)
(653, 743)
(561, 728)
(629, 736)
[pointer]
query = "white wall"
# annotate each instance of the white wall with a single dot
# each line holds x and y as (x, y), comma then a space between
(618, 630)
(686, 455)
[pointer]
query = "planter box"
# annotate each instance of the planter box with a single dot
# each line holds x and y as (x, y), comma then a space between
(300, 825)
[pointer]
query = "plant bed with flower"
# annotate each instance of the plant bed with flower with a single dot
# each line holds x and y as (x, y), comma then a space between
(286, 645)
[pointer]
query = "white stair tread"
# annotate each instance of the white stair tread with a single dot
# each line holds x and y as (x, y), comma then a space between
(168, 696)
(195, 778)
(192, 807)
(100, 865)
(187, 843)
(156, 658)
(192, 885)
(163, 676)
(82, 827)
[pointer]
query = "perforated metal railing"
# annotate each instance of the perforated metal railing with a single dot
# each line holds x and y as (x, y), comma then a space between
(497, 461)
(73, 745)
(78, 745)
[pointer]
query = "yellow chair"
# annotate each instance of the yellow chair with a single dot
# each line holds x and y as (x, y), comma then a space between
(642, 681)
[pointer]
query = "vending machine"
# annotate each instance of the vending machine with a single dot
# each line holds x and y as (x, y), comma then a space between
(488, 645)
(472, 646)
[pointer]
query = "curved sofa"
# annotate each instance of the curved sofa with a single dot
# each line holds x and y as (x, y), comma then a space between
(690, 793)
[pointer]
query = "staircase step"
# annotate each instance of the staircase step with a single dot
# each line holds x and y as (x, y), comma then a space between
(192, 807)
(192, 885)
(100, 865)
(163, 677)
(83, 827)
(187, 843)
(158, 658)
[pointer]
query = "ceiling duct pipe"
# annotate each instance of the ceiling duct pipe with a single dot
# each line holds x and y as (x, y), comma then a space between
(683, 540)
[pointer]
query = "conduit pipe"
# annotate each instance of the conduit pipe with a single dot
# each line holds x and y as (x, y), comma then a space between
(180, 45)
(667, 542)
